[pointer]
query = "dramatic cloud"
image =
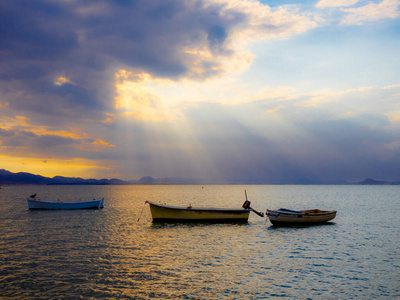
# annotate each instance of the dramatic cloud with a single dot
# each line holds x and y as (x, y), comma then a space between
(226, 90)
(64, 54)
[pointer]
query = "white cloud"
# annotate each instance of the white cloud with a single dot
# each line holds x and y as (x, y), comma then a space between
(264, 23)
(336, 3)
(372, 12)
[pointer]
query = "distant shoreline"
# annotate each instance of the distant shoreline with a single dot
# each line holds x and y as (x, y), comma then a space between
(22, 178)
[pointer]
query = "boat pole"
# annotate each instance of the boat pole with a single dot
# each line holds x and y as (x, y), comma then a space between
(253, 210)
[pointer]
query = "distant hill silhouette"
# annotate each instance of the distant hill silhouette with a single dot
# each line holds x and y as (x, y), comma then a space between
(7, 177)
(370, 181)
(147, 180)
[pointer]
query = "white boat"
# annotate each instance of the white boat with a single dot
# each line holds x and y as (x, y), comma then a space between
(35, 203)
(285, 216)
(166, 213)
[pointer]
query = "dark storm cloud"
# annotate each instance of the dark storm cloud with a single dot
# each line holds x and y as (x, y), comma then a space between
(48, 141)
(35, 30)
(21, 138)
(86, 42)
(6, 133)
(216, 37)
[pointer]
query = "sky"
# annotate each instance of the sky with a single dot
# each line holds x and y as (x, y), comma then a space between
(232, 91)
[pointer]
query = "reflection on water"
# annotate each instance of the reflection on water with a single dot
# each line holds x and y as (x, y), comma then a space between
(110, 254)
(294, 226)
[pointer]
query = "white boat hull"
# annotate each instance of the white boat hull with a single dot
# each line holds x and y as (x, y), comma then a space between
(53, 205)
(166, 213)
(288, 217)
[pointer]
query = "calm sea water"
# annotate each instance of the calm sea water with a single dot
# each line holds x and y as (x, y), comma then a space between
(109, 253)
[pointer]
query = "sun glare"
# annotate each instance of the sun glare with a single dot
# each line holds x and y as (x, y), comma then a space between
(137, 97)
(142, 97)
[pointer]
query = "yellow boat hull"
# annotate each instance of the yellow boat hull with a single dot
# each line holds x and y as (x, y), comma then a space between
(166, 213)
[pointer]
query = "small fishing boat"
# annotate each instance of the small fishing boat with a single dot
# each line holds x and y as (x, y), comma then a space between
(285, 216)
(167, 213)
(35, 203)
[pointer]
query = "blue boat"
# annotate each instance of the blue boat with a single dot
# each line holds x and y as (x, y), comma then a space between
(35, 203)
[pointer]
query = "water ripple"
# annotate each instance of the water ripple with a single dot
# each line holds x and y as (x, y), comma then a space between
(109, 254)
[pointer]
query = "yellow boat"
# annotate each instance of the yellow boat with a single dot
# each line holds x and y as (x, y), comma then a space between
(166, 213)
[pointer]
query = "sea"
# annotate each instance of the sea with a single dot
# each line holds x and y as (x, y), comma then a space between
(118, 252)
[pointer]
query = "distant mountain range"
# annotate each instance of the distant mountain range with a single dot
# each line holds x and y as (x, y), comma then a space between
(7, 177)
(370, 181)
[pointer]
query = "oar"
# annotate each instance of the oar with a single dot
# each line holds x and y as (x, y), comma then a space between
(247, 206)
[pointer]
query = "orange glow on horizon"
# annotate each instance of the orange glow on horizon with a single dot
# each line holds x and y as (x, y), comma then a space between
(72, 167)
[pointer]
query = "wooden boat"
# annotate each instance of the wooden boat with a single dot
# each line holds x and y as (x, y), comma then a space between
(166, 213)
(284, 216)
(34, 203)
